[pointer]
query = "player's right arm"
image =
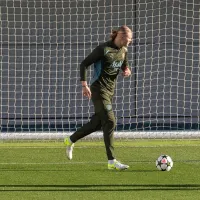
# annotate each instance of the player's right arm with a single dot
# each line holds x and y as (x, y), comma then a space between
(125, 67)
(93, 57)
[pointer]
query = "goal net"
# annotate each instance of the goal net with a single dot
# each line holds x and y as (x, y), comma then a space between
(42, 43)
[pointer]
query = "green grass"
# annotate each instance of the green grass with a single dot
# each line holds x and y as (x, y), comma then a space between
(40, 170)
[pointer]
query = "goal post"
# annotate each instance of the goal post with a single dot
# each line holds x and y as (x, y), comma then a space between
(42, 44)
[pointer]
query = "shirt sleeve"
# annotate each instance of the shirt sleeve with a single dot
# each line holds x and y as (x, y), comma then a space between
(125, 63)
(93, 57)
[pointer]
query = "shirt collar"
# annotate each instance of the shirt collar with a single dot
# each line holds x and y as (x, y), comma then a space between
(113, 45)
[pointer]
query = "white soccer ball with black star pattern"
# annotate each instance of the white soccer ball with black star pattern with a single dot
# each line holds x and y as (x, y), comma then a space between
(164, 163)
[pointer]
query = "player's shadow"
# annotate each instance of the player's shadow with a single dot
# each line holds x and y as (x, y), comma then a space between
(103, 187)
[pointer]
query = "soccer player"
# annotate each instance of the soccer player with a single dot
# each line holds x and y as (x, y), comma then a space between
(108, 59)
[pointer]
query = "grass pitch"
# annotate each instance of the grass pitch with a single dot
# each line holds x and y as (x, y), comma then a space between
(40, 170)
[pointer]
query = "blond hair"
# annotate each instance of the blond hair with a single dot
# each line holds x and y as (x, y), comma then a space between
(123, 29)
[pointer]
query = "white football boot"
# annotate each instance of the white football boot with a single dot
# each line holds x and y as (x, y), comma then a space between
(69, 147)
(117, 166)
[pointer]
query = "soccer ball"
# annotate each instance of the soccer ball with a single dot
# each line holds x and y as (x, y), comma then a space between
(164, 163)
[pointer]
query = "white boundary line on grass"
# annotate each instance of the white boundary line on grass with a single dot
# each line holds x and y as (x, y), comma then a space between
(88, 147)
(99, 135)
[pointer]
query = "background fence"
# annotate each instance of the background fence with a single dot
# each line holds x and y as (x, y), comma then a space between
(42, 43)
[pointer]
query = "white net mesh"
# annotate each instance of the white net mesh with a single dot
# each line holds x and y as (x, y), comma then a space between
(42, 43)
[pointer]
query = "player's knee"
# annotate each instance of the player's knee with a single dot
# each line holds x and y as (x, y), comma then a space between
(108, 120)
(112, 123)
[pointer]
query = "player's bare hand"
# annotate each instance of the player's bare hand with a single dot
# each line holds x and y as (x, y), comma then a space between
(126, 72)
(86, 92)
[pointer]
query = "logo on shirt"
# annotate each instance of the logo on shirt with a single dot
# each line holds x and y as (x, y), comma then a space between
(107, 52)
(116, 64)
(108, 107)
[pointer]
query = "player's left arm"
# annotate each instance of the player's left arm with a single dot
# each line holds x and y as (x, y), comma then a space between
(126, 71)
